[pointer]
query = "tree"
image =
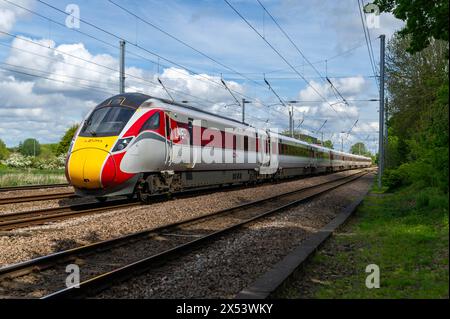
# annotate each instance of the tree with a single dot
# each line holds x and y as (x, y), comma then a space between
(301, 137)
(425, 20)
(359, 149)
(30, 147)
(3, 150)
(328, 144)
(64, 143)
(418, 112)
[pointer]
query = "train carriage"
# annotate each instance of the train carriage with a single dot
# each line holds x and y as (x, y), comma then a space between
(137, 144)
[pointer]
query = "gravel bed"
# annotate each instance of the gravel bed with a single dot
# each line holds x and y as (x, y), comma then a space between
(26, 206)
(26, 243)
(233, 262)
(37, 191)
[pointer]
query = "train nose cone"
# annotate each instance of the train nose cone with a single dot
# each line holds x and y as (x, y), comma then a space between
(87, 168)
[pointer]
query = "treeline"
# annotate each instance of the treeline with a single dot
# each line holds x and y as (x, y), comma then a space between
(358, 148)
(30, 153)
(417, 83)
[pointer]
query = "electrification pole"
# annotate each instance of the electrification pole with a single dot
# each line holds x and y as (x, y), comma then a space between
(122, 67)
(244, 101)
(381, 125)
(291, 125)
(385, 130)
(243, 110)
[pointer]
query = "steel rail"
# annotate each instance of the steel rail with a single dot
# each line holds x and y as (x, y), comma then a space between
(35, 198)
(48, 261)
(30, 187)
(105, 280)
(41, 216)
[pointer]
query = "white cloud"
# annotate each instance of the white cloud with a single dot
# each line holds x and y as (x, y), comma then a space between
(348, 87)
(343, 117)
(52, 105)
(320, 28)
(9, 14)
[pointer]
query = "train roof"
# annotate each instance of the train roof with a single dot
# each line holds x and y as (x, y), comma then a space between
(135, 100)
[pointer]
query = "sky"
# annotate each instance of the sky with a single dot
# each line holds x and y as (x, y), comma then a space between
(53, 71)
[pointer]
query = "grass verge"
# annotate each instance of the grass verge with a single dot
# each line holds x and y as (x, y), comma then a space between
(405, 233)
(19, 177)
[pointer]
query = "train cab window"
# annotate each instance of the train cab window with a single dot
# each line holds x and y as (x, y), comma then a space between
(246, 143)
(106, 121)
(152, 123)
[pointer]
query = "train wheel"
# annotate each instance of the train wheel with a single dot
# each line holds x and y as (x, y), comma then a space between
(143, 197)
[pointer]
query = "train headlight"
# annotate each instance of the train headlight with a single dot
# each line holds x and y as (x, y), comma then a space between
(122, 144)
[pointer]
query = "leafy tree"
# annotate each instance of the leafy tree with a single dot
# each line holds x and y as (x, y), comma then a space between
(301, 137)
(48, 151)
(30, 147)
(63, 146)
(3, 150)
(328, 144)
(359, 149)
(425, 20)
(418, 113)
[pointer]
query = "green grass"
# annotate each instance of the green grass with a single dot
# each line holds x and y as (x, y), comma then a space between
(18, 177)
(405, 233)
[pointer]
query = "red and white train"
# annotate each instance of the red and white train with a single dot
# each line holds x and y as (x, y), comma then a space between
(137, 144)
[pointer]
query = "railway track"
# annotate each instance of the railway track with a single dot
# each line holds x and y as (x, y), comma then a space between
(34, 198)
(106, 262)
(30, 187)
(42, 216)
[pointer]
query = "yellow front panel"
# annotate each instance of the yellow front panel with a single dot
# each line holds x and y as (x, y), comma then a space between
(86, 160)
(103, 143)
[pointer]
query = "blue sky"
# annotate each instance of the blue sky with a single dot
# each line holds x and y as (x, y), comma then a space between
(323, 30)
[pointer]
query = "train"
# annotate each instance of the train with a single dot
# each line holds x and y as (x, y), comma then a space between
(133, 144)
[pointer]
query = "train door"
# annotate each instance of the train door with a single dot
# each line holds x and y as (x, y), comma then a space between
(273, 150)
(331, 160)
(268, 149)
(192, 148)
(169, 145)
(312, 158)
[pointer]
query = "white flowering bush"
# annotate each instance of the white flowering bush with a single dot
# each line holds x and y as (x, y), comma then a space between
(53, 163)
(17, 160)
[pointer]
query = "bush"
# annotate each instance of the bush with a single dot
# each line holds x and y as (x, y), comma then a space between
(17, 160)
(418, 172)
(3, 150)
(394, 178)
(432, 198)
(422, 200)
(49, 164)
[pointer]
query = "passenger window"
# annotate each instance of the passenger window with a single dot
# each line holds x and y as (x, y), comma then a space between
(152, 123)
